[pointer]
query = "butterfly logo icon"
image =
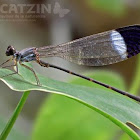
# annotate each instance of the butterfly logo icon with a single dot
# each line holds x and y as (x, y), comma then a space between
(60, 11)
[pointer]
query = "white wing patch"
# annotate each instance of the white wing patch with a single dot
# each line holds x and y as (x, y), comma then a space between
(118, 44)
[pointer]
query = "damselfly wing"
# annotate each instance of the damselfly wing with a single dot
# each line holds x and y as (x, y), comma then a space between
(99, 49)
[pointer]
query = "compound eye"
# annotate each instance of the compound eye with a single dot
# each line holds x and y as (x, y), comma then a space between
(10, 51)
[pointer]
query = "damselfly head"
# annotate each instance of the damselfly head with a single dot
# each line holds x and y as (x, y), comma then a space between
(10, 51)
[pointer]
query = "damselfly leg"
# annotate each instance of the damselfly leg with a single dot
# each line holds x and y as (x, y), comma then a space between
(16, 72)
(1, 66)
(8, 66)
(37, 79)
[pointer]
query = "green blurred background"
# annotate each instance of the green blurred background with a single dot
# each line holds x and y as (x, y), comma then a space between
(80, 18)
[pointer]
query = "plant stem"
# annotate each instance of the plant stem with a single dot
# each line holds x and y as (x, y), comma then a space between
(16, 113)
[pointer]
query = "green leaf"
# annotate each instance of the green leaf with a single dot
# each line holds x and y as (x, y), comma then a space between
(62, 118)
(115, 7)
(72, 120)
(119, 109)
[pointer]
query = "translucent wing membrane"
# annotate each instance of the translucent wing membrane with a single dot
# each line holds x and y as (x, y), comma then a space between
(95, 50)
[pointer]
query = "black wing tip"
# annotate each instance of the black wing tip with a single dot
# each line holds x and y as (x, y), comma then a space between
(131, 36)
(130, 27)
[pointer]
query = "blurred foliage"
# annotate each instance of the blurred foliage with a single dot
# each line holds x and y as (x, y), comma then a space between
(113, 7)
(63, 118)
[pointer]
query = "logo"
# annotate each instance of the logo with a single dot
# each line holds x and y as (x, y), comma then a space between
(30, 11)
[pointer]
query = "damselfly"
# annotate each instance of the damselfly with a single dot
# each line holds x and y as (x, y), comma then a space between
(95, 50)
